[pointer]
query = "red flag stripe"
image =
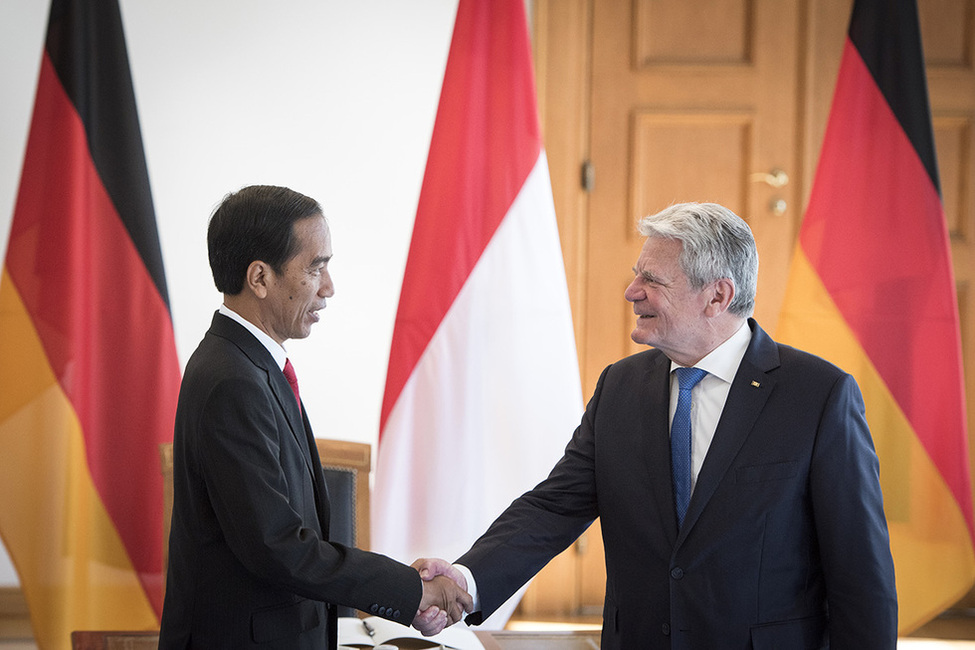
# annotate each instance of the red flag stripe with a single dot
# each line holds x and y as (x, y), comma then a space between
(101, 320)
(481, 152)
(912, 320)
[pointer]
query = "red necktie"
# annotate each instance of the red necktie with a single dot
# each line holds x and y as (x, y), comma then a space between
(289, 374)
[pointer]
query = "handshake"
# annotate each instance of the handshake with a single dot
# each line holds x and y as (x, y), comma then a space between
(445, 598)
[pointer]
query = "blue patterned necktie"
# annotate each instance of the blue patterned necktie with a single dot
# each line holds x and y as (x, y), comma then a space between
(680, 439)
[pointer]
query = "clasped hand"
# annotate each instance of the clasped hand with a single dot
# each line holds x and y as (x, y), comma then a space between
(445, 598)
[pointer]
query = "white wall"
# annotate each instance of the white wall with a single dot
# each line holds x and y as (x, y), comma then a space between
(334, 98)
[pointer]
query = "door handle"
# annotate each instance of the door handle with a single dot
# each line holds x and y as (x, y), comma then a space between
(776, 178)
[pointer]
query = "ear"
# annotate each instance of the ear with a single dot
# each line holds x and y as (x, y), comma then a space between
(257, 278)
(722, 292)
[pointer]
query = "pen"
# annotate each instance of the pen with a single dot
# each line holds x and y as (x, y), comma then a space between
(371, 632)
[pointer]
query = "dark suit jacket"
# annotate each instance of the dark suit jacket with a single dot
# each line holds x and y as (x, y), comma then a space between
(249, 561)
(784, 545)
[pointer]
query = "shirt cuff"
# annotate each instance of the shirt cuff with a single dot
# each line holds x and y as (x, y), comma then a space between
(471, 585)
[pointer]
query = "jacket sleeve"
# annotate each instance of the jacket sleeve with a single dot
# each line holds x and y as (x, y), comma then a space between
(851, 527)
(538, 525)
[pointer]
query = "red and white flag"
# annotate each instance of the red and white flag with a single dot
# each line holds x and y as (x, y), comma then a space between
(482, 391)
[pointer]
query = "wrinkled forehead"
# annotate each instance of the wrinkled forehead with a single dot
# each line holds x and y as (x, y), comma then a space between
(661, 249)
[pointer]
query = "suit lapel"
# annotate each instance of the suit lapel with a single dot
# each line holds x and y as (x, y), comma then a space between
(321, 488)
(292, 413)
(296, 417)
(656, 442)
(749, 392)
(229, 329)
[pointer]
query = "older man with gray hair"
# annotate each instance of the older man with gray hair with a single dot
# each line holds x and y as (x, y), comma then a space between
(735, 478)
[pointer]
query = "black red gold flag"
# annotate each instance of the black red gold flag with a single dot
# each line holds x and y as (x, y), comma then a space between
(872, 289)
(88, 369)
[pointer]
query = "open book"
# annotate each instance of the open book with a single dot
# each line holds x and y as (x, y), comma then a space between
(370, 632)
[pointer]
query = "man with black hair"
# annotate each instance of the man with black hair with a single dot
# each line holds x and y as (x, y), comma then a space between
(250, 564)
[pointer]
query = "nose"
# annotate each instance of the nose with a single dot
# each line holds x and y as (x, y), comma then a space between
(327, 288)
(634, 292)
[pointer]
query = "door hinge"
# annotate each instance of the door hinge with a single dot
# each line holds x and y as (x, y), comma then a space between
(588, 176)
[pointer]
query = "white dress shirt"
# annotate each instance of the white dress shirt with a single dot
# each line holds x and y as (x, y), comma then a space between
(710, 394)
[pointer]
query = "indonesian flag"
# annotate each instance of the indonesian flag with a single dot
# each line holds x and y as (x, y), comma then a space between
(871, 288)
(482, 391)
(88, 368)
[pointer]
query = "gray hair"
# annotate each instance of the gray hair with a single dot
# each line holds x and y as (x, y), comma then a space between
(717, 244)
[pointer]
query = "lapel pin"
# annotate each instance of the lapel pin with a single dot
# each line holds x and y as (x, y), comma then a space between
(755, 384)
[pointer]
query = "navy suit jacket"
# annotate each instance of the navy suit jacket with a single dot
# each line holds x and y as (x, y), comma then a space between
(250, 564)
(784, 544)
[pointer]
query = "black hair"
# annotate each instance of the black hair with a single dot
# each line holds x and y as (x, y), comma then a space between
(254, 223)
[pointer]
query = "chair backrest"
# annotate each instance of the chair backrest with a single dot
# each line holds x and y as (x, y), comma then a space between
(346, 466)
(346, 469)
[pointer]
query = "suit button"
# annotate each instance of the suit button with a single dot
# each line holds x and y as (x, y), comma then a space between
(396, 614)
(374, 609)
(665, 628)
(677, 573)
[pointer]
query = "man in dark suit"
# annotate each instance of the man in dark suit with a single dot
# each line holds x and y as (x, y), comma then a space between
(250, 564)
(771, 534)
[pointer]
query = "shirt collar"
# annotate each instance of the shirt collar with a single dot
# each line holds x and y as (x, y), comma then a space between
(723, 361)
(276, 349)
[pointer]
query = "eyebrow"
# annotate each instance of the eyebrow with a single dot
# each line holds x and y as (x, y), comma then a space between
(321, 259)
(647, 275)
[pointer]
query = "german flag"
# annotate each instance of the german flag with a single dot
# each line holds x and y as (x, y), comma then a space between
(88, 369)
(871, 288)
